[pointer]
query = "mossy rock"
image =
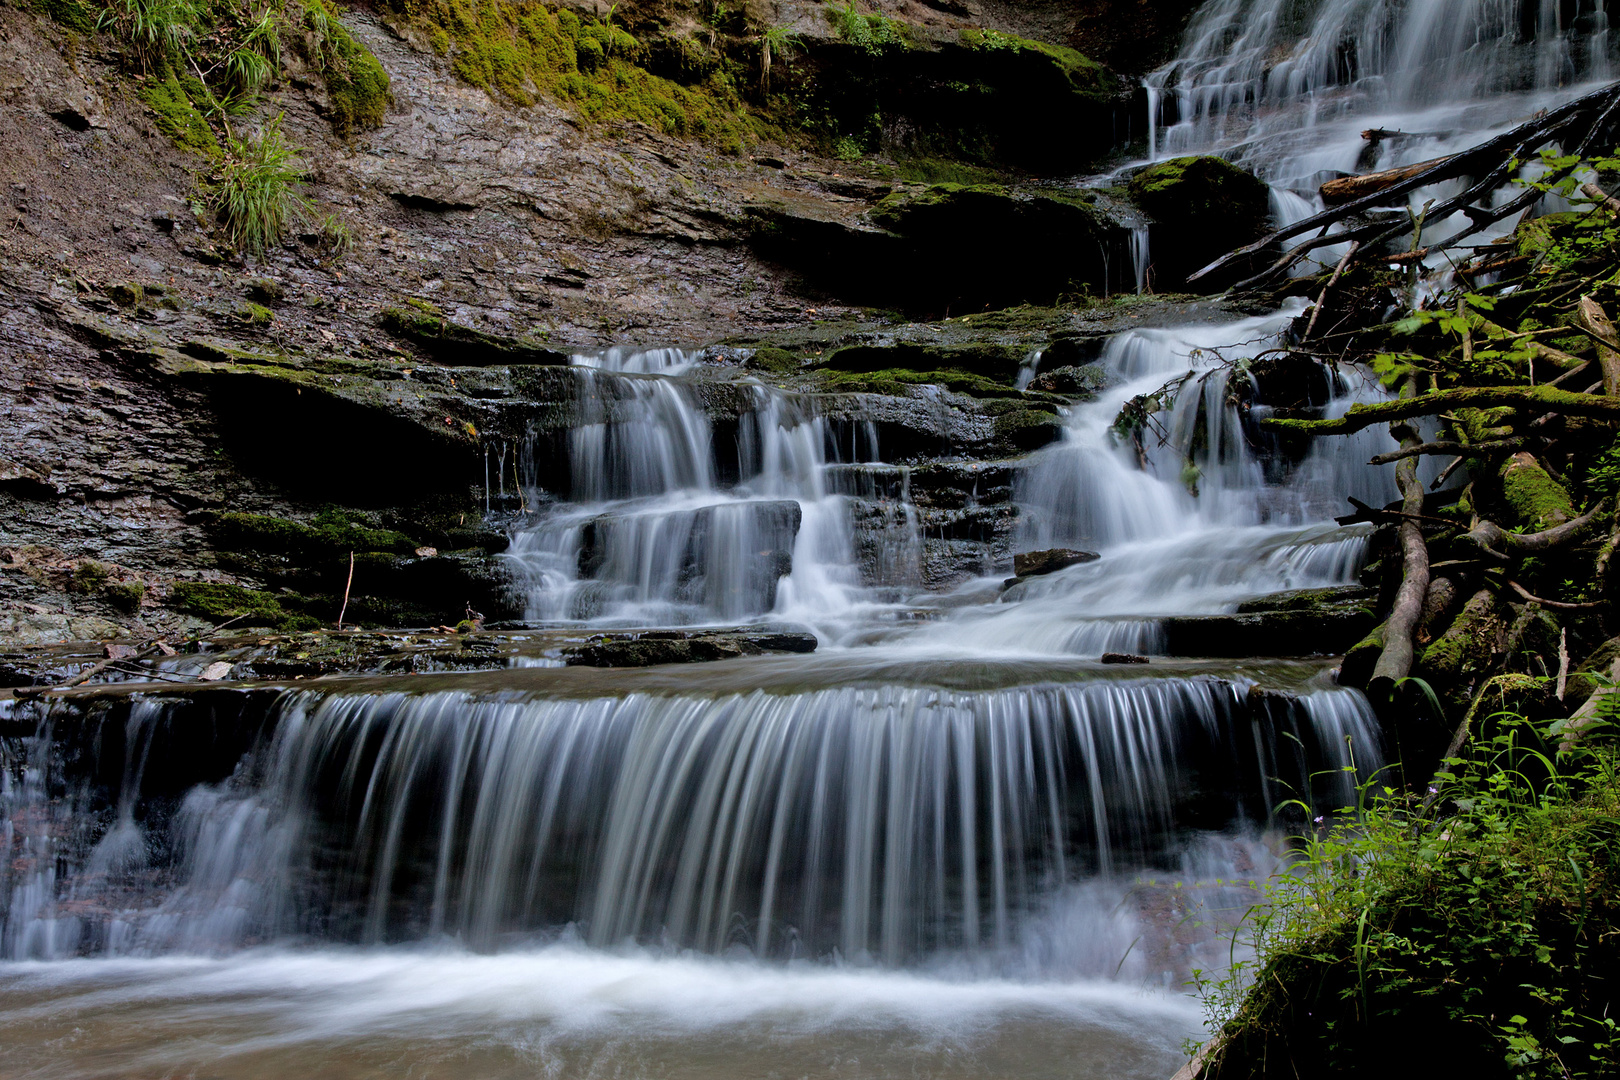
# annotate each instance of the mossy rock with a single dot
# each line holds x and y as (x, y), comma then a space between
(126, 596)
(452, 343)
(175, 114)
(73, 14)
(329, 534)
(255, 315)
(772, 359)
(89, 576)
(1201, 208)
(357, 87)
(1028, 428)
(237, 605)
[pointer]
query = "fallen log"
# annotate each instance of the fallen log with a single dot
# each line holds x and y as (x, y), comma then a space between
(1544, 398)
(1347, 188)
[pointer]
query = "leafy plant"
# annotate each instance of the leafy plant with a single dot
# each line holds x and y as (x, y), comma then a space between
(872, 34)
(776, 43)
(1486, 934)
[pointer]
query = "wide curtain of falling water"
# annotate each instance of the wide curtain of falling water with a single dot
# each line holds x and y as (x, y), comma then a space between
(883, 824)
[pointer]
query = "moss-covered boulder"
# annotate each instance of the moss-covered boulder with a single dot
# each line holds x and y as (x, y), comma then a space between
(1201, 208)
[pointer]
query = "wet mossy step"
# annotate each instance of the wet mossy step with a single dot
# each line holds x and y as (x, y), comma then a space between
(1302, 622)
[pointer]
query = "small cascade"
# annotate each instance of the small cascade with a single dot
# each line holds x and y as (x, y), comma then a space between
(887, 824)
(648, 535)
(623, 359)
(1192, 506)
(1141, 257)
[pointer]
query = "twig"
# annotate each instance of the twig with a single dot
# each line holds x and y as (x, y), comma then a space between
(344, 610)
(88, 673)
(1559, 604)
(1332, 281)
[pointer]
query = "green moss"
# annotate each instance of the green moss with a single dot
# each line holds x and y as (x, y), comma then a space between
(126, 294)
(331, 533)
(176, 116)
(1082, 72)
(1028, 428)
(769, 358)
(1535, 236)
(896, 381)
(522, 50)
(126, 596)
(1536, 500)
(357, 87)
(232, 603)
(72, 14)
(255, 314)
(89, 576)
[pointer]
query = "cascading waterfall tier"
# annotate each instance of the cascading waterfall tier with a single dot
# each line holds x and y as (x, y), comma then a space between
(1254, 74)
(650, 536)
(888, 824)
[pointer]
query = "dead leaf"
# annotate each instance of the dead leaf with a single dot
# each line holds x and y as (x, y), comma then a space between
(219, 669)
(427, 552)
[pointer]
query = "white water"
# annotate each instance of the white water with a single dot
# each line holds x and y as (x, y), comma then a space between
(886, 878)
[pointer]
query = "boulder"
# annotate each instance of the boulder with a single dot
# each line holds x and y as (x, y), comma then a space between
(1035, 563)
(1200, 208)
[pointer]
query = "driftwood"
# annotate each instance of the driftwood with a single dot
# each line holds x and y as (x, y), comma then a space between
(1543, 398)
(1591, 319)
(1321, 297)
(1395, 662)
(1347, 188)
(1601, 197)
(1575, 125)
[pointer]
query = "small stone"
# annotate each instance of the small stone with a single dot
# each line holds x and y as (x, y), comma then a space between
(1123, 658)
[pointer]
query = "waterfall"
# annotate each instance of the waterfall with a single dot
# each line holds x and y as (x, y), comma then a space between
(648, 534)
(880, 824)
(1286, 88)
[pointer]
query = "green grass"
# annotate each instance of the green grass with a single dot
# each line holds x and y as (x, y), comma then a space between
(256, 193)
